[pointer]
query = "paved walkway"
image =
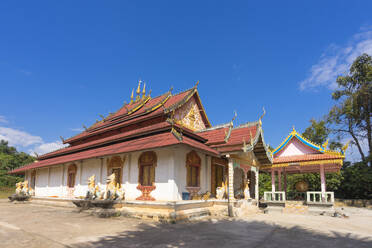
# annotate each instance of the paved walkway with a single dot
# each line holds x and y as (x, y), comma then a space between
(27, 225)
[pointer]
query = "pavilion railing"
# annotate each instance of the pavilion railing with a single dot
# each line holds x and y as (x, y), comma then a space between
(277, 196)
(316, 197)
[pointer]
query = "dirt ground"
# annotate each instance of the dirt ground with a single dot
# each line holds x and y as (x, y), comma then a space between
(27, 225)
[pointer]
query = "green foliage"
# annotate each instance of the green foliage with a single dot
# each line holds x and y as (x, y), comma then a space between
(11, 159)
(317, 132)
(352, 113)
(357, 181)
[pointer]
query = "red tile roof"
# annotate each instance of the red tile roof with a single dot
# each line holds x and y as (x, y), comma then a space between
(149, 142)
(305, 157)
(115, 122)
(216, 137)
(125, 135)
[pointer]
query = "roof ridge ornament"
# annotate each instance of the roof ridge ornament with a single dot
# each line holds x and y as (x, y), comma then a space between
(62, 139)
(85, 128)
(343, 149)
(138, 91)
(196, 84)
(231, 125)
(325, 144)
(132, 97)
(263, 114)
(144, 90)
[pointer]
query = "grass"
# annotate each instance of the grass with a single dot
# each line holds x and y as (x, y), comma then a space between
(6, 191)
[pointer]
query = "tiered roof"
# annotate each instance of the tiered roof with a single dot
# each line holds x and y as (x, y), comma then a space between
(148, 123)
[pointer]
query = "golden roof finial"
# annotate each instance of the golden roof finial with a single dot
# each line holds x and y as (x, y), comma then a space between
(131, 97)
(138, 90)
(144, 90)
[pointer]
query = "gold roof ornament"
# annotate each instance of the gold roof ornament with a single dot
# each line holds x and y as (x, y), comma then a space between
(345, 147)
(132, 97)
(325, 144)
(144, 90)
(263, 114)
(138, 90)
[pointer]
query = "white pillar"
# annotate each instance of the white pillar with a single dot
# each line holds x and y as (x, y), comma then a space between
(62, 179)
(100, 170)
(272, 180)
(285, 181)
(322, 181)
(48, 177)
(256, 194)
(230, 187)
(279, 180)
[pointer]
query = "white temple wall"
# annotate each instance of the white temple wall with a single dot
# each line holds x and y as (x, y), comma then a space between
(41, 186)
(170, 175)
(55, 181)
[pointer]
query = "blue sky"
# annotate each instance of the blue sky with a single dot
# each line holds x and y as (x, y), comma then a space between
(62, 63)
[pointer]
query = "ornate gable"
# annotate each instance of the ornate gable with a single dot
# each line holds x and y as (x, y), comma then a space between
(188, 115)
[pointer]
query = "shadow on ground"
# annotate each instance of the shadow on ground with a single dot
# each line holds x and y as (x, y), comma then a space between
(226, 233)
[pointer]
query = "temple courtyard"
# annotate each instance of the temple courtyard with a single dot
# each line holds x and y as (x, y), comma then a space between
(29, 225)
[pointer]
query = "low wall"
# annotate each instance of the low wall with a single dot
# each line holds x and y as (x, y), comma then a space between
(353, 203)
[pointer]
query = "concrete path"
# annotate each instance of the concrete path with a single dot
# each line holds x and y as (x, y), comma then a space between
(27, 225)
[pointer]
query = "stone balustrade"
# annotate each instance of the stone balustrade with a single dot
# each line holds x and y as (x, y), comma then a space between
(277, 196)
(315, 197)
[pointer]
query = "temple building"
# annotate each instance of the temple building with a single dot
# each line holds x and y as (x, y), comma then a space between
(160, 149)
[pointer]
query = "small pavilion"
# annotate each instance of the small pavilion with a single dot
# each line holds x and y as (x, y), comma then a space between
(297, 155)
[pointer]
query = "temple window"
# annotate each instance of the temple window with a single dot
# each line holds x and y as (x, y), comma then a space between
(115, 165)
(193, 163)
(147, 163)
(71, 175)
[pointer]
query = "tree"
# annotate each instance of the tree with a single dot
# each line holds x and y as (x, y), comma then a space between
(352, 113)
(11, 159)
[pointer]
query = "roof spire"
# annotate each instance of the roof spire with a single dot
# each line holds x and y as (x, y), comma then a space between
(131, 97)
(138, 90)
(144, 90)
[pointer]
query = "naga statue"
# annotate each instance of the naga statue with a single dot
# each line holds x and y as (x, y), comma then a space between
(221, 192)
(113, 189)
(93, 189)
(22, 192)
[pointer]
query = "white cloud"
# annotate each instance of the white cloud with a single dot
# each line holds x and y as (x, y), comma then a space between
(47, 147)
(19, 138)
(77, 129)
(3, 119)
(23, 141)
(337, 60)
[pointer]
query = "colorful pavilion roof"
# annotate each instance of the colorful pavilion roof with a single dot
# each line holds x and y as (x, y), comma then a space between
(316, 154)
(319, 148)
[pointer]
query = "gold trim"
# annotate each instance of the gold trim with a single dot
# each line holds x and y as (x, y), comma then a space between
(305, 163)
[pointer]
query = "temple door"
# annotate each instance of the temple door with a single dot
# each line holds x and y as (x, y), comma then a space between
(71, 177)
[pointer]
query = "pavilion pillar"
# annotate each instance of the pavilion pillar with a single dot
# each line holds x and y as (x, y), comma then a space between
(230, 191)
(322, 181)
(285, 181)
(279, 180)
(256, 196)
(272, 180)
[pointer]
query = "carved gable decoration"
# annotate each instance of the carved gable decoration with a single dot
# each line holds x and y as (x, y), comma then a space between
(189, 116)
